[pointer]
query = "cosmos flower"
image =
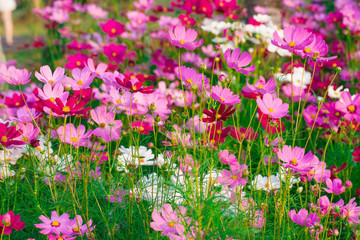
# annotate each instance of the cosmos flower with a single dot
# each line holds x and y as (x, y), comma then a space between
(113, 28)
(9, 135)
(273, 107)
(334, 186)
(259, 88)
(74, 136)
(238, 61)
(224, 96)
(235, 177)
(303, 218)
(109, 129)
(46, 75)
(349, 106)
(295, 158)
(295, 38)
(182, 38)
(56, 224)
(169, 221)
(222, 114)
(9, 221)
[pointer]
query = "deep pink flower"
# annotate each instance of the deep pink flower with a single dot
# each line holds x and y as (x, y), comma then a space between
(46, 76)
(115, 52)
(55, 224)
(239, 62)
(272, 106)
(74, 136)
(113, 28)
(9, 221)
(224, 96)
(76, 61)
(295, 38)
(334, 186)
(9, 135)
(241, 133)
(350, 107)
(235, 177)
(182, 38)
(143, 127)
(303, 218)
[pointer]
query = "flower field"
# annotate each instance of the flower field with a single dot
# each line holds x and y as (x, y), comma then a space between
(183, 120)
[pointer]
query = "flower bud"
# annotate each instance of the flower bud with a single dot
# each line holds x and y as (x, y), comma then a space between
(217, 48)
(336, 232)
(6, 221)
(150, 144)
(303, 179)
(300, 189)
(222, 78)
(348, 184)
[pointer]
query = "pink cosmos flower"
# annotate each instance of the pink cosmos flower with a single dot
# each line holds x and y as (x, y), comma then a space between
(76, 61)
(334, 186)
(29, 132)
(113, 28)
(235, 177)
(46, 76)
(350, 107)
(170, 221)
(52, 93)
(296, 38)
(55, 224)
(109, 129)
(351, 211)
(81, 78)
(78, 228)
(9, 221)
(303, 218)
(224, 96)
(295, 158)
(60, 237)
(96, 12)
(323, 205)
(239, 62)
(190, 77)
(99, 70)
(317, 49)
(74, 136)
(182, 38)
(18, 76)
(272, 106)
(157, 103)
(227, 158)
(259, 88)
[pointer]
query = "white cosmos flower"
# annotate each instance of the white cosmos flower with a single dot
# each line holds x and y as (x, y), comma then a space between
(262, 18)
(215, 27)
(265, 183)
(11, 156)
(134, 156)
(298, 77)
(336, 93)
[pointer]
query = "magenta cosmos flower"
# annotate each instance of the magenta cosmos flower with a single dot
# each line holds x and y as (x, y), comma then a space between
(295, 158)
(170, 221)
(295, 38)
(74, 136)
(113, 28)
(182, 38)
(238, 61)
(9, 221)
(190, 77)
(272, 106)
(115, 52)
(259, 88)
(350, 107)
(46, 75)
(224, 96)
(334, 186)
(55, 224)
(303, 218)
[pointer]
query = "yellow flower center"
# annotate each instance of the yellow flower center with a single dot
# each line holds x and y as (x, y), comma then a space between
(8, 159)
(118, 101)
(113, 30)
(267, 185)
(293, 161)
(51, 81)
(234, 177)
(113, 54)
(260, 87)
(189, 81)
(171, 224)
(337, 114)
(52, 99)
(222, 99)
(271, 110)
(134, 88)
(76, 229)
(182, 41)
(78, 63)
(218, 132)
(307, 50)
(17, 104)
(59, 238)
(55, 224)
(66, 109)
(141, 129)
(102, 125)
(80, 82)
(218, 116)
(351, 108)
(4, 139)
(25, 139)
(74, 139)
(292, 44)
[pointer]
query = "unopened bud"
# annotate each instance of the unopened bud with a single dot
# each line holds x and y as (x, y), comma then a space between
(348, 184)
(300, 189)
(217, 48)
(150, 144)
(336, 232)
(222, 78)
